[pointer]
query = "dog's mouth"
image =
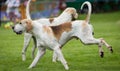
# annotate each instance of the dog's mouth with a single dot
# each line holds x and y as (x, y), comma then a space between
(18, 33)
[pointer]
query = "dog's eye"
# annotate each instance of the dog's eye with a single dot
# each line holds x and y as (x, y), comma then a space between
(20, 23)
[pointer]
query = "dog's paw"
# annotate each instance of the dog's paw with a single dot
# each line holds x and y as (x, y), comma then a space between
(66, 67)
(111, 50)
(31, 66)
(23, 57)
(101, 54)
(54, 60)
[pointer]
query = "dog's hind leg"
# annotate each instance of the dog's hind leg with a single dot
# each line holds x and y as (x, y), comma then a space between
(107, 45)
(27, 38)
(94, 41)
(40, 53)
(100, 42)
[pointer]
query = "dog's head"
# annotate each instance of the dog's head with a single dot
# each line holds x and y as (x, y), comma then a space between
(23, 26)
(72, 12)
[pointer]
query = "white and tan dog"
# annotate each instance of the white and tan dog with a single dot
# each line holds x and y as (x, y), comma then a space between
(45, 36)
(68, 15)
(83, 30)
(54, 37)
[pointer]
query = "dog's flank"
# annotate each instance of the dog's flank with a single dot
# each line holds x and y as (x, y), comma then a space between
(48, 30)
(58, 30)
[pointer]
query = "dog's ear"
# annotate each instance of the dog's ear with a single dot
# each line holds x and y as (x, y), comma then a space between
(76, 15)
(28, 25)
(73, 12)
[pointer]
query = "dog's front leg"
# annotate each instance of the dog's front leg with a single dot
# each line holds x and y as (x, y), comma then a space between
(54, 56)
(34, 46)
(57, 50)
(27, 38)
(40, 53)
(107, 45)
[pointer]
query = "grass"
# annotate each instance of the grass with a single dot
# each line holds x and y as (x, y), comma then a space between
(79, 57)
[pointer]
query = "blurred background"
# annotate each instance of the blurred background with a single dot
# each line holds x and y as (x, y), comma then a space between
(52, 8)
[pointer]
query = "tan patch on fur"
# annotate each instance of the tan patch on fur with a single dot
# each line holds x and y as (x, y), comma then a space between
(51, 20)
(58, 30)
(84, 24)
(48, 30)
(28, 25)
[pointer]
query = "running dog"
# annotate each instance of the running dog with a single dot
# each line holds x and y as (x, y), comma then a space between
(54, 37)
(67, 15)
(83, 30)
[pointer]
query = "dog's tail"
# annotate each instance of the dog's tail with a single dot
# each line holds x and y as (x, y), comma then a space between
(89, 10)
(27, 10)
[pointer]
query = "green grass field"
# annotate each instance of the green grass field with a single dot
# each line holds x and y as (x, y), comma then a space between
(79, 57)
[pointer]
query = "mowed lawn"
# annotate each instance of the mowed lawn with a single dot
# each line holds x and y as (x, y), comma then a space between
(80, 57)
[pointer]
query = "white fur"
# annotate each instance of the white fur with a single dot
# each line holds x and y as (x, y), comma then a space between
(64, 17)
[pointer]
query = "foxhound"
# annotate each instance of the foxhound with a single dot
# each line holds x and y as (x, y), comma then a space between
(67, 15)
(54, 37)
(83, 30)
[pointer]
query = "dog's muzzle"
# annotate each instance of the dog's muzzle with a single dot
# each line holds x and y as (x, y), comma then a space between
(18, 32)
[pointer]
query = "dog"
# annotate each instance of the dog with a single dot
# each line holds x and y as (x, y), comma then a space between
(67, 15)
(54, 37)
(85, 34)
(45, 39)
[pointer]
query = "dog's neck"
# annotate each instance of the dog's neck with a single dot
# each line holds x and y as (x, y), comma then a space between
(36, 28)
